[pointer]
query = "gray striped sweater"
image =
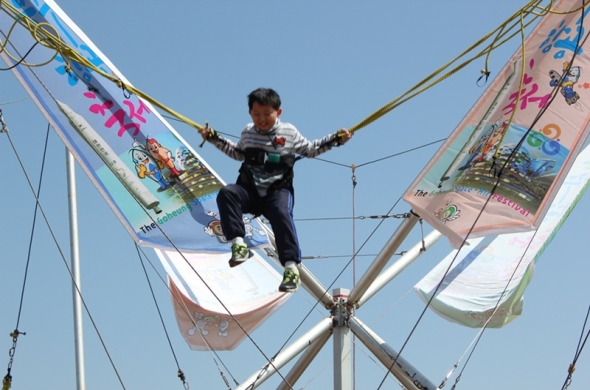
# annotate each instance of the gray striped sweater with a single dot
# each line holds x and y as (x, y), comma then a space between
(282, 139)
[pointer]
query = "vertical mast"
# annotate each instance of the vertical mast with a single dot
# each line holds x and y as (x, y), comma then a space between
(75, 265)
(342, 341)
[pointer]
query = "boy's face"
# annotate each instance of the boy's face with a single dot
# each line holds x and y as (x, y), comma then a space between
(264, 117)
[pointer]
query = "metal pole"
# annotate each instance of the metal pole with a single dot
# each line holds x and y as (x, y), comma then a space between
(304, 361)
(342, 342)
(75, 264)
(382, 258)
(317, 332)
(314, 287)
(405, 373)
(396, 268)
(308, 281)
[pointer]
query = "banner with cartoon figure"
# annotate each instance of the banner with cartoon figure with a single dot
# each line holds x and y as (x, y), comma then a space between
(486, 281)
(502, 166)
(205, 290)
(161, 190)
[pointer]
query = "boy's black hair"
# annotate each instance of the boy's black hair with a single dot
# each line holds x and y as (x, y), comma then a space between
(264, 97)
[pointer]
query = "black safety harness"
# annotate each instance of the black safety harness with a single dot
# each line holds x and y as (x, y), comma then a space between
(273, 163)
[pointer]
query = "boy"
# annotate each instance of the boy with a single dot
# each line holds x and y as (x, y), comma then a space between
(267, 148)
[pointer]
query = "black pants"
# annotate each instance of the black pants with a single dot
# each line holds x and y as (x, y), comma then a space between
(234, 200)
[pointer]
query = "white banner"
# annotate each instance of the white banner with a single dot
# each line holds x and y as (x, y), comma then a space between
(495, 270)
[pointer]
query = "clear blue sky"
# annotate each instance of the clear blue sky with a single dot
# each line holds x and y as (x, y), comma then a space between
(334, 63)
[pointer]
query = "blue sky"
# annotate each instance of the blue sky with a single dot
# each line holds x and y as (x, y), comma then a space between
(334, 63)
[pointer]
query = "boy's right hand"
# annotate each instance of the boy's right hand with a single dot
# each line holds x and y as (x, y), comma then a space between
(207, 133)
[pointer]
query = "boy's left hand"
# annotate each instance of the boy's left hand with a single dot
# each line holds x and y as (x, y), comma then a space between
(343, 136)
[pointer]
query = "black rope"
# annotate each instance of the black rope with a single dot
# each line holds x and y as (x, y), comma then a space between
(61, 253)
(579, 349)
(219, 132)
(188, 314)
(383, 158)
(345, 256)
(16, 332)
(22, 59)
(404, 152)
(147, 278)
(34, 223)
(398, 216)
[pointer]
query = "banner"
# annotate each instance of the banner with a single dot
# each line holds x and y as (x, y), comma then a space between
(161, 190)
(495, 271)
(204, 289)
(463, 190)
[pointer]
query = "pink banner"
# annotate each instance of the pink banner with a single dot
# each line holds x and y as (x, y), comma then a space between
(204, 329)
(205, 290)
(505, 158)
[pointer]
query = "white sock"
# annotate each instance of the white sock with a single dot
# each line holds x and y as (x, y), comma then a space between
(290, 264)
(237, 240)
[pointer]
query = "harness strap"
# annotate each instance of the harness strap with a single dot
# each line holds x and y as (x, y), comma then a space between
(272, 162)
(256, 156)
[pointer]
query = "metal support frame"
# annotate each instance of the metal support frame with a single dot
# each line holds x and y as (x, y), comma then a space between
(383, 257)
(396, 268)
(408, 376)
(317, 332)
(304, 361)
(342, 341)
(308, 281)
(342, 324)
(75, 264)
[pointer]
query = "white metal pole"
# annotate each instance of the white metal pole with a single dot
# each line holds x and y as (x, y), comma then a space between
(382, 258)
(405, 373)
(75, 265)
(396, 268)
(342, 342)
(317, 332)
(314, 287)
(304, 361)
(308, 281)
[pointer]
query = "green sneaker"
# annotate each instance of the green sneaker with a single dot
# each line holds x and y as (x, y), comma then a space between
(239, 254)
(290, 280)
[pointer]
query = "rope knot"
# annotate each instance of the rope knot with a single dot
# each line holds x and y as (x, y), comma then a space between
(484, 72)
(571, 369)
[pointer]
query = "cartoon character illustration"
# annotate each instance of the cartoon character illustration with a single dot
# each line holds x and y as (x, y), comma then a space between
(485, 143)
(208, 320)
(162, 156)
(476, 149)
(223, 327)
(567, 84)
(449, 213)
(146, 166)
(214, 229)
(202, 321)
(250, 229)
(492, 143)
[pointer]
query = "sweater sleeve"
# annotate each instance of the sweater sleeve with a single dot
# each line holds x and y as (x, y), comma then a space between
(234, 151)
(307, 148)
